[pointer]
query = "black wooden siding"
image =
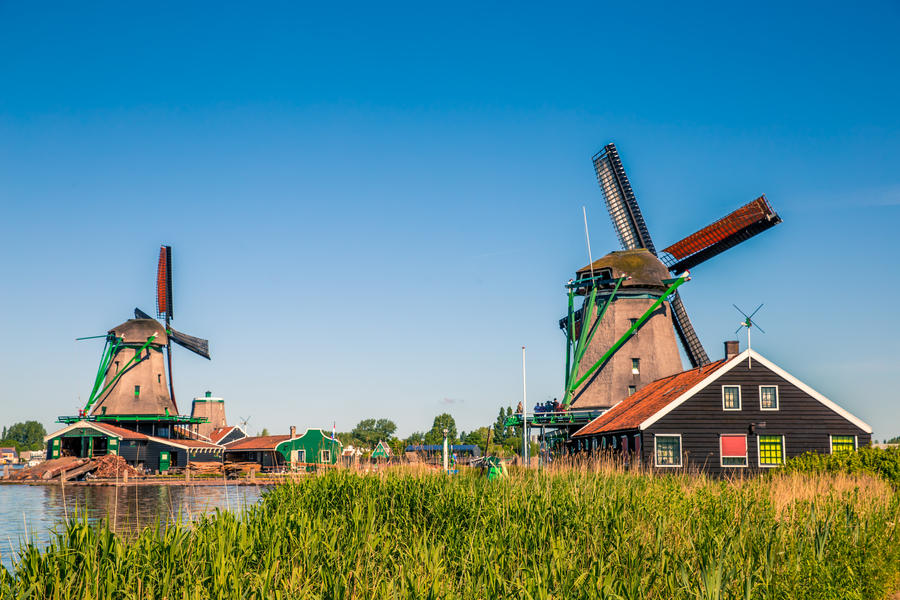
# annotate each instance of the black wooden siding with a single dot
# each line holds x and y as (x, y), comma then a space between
(805, 423)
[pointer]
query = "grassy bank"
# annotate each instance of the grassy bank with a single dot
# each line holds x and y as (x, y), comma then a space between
(573, 533)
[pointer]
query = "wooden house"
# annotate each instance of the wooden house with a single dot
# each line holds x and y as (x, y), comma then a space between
(740, 413)
(286, 452)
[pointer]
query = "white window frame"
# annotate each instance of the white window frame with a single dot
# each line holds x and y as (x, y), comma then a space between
(831, 442)
(635, 366)
(632, 390)
(746, 451)
(740, 398)
(783, 451)
(777, 398)
(301, 455)
(322, 456)
(680, 451)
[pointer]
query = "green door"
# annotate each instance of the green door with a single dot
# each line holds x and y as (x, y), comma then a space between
(54, 453)
(163, 462)
(112, 445)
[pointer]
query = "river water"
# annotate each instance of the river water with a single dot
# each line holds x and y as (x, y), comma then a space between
(40, 510)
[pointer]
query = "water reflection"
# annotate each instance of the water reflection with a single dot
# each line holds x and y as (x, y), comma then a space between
(38, 510)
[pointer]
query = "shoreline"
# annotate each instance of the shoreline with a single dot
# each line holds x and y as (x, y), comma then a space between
(147, 481)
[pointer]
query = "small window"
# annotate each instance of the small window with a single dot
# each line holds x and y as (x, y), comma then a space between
(631, 390)
(635, 366)
(137, 391)
(117, 366)
(301, 456)
(325, 456)
(633, 322)
(603, 443)
(159, 378)
(843, 443)
(771, 450)
(668, 450)
(768, 397)
(731, 397)
(733, 450)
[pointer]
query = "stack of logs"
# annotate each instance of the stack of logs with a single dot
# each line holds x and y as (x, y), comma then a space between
(204, 468)
(112, 466)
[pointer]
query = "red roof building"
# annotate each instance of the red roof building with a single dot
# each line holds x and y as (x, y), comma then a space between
(741, 412)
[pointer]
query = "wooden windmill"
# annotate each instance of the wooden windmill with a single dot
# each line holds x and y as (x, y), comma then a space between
(631, 302)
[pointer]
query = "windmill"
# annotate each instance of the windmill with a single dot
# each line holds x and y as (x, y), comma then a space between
(632, 292)
(129, 381)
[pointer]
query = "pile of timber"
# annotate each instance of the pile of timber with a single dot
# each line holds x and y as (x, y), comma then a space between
(205, 468)
(238, 468)
(112, 466)
(49, 468)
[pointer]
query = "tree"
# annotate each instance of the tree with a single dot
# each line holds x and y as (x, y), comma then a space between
(29, 435)
(369, 432)
(477, 437)
(416, 438)
(441, 422)
(264, 432)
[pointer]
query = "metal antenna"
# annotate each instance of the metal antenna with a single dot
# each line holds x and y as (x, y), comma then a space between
(587, 236)
(748, 323)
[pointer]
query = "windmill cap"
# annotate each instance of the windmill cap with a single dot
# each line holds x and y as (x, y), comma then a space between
(644, 269)
(136, 331)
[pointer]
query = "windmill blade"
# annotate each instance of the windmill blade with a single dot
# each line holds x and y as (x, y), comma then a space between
(739, 328)
(620, 201)
(740, 311)
(194, 344)
(755, 324)
(755, 311)
(729, 231)
(164, 284)
(685, 330)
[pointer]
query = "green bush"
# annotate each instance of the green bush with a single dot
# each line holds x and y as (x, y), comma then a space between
(566, 534)
(884, 463)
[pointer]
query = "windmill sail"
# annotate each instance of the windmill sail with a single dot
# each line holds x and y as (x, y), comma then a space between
(633, 233)
(194, 344)
(164, 284)
(620, 201)
(729, 231)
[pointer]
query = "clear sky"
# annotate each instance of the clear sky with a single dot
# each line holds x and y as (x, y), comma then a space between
(374, 206)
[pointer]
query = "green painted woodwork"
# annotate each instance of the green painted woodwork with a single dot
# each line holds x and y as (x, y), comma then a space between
(316, 447)
(381, 451)
(176, 419)
(631, 331)
(54, 448)
(112, 445)
(104, 368)
(163, 462)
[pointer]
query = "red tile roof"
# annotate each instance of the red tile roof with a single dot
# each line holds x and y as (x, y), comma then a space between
(646, 402)
(266, 442)
(218, 434)
(192, 443)
(125, 434)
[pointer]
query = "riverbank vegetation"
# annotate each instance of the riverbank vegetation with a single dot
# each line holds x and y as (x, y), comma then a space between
(575, 532)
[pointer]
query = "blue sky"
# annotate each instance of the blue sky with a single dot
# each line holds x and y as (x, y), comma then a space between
(373, 207)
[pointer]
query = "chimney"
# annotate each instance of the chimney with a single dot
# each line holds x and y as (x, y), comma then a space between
(732, 349)
(293, 432)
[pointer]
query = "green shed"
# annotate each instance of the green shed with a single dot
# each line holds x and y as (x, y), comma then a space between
(310, 450)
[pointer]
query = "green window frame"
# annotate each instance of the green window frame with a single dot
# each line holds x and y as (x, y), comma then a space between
(771, 450)
(768, 397)
(731, 397)
(843, 443)
(667, 449)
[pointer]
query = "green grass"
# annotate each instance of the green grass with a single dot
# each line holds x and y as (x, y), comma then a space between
(570, 533)
(881, 462)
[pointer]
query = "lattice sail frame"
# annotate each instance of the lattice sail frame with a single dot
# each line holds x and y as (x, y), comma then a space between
(164, 284)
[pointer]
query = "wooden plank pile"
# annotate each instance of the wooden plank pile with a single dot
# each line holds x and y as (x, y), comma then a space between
(238, 468)
(205, 468)
(112, 466)
(49, 468)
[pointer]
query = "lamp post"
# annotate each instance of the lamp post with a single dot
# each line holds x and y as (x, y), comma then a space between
(446, 457)
(524, 414)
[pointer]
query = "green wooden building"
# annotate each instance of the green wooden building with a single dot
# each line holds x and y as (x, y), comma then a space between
(287, 452)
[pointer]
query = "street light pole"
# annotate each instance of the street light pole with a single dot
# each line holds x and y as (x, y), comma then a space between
(446, 457)
(524, 413)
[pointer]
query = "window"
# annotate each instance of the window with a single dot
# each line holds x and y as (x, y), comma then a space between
(768, 397)
(635, 366)
(668, 450)
(631, 390)
(633, 322)
(117, 366)
(603, 443)
(771, 450)
(137, 391)
(301, 456)
(731, 397)
(325, 456)
(159, 378)
(733, 450)
(843, 443)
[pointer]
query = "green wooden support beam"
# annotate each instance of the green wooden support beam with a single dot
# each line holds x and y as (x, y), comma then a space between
(631, 330)
(112, 382)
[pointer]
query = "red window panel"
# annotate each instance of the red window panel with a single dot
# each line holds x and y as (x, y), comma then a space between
(734, 445)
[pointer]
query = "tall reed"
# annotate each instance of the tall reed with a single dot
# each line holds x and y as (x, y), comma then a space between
(564, 533)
